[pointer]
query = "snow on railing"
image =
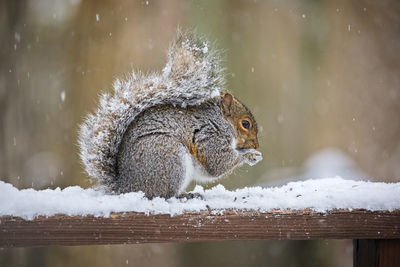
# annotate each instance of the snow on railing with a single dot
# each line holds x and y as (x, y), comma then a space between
(320, 195)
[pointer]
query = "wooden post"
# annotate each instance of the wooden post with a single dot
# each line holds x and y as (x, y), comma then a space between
(376, 253)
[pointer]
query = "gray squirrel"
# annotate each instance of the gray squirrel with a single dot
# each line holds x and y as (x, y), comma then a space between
(158, 132)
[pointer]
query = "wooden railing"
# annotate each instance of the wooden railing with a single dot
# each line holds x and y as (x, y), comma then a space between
(376, 234)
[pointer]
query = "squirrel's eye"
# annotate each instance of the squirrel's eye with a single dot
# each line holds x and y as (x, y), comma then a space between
(246, 124)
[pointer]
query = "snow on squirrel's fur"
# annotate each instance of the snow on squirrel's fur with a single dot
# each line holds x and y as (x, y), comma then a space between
(320, 195)
(193, 73)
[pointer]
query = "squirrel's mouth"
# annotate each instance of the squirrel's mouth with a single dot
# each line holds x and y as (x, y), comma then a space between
(247, 147)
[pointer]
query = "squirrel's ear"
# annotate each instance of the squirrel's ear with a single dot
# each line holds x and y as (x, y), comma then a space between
(227, 100)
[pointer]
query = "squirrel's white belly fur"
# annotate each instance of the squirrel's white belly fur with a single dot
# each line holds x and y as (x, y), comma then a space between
(189, 171)
(193, 172)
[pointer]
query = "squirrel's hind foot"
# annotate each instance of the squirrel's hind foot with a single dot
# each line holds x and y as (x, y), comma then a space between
(190, 196)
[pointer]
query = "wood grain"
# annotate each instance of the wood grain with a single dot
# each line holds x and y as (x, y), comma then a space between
(376, 253)
(131, 227)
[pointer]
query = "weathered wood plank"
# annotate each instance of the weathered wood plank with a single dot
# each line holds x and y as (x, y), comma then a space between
(133, 227)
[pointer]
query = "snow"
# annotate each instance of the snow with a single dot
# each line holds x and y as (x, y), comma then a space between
(17, 37)
(330, 162)
(319, 195)
(63, 95)
(326, 162)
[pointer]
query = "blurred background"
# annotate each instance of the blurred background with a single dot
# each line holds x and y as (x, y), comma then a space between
(321, 77)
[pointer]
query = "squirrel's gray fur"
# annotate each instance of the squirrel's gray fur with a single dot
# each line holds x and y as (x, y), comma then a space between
(134, 140)
(159, 138)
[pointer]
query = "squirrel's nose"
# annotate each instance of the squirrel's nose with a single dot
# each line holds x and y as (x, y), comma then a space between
(253, 144)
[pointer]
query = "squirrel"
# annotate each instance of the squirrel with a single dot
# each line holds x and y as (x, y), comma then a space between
(156, 133)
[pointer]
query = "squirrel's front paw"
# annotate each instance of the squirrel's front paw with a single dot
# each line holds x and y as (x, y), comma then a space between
(252, 157)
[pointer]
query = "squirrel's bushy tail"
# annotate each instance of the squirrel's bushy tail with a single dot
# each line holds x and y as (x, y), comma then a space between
(193, 74)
